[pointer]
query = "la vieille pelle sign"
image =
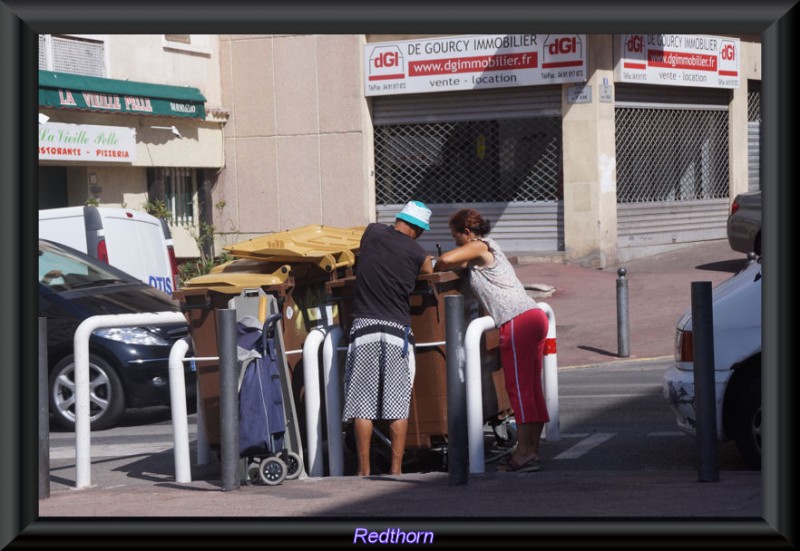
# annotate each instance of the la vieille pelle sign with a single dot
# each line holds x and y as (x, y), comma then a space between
(118, 103)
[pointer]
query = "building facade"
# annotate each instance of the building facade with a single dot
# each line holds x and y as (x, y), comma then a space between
(126, 120)
(591, 149)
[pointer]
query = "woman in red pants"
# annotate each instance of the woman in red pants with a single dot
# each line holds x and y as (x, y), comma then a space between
(522, 323)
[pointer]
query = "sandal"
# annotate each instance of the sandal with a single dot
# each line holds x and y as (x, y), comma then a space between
(531, 466)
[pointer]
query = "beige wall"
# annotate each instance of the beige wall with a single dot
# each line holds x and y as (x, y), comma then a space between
(149, 58)
(295, 141)
(590, 191)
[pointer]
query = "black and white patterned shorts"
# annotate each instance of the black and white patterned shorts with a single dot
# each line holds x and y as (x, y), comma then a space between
(379, 371)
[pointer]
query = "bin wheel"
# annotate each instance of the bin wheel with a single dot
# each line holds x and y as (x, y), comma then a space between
(273, 471)
(253, 471)
(294, 465)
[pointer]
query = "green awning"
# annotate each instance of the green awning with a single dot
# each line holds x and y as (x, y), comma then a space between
(107, 95)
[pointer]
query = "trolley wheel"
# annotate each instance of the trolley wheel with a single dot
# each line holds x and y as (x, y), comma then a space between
(273, 471)
(253, 471)
(294, 465)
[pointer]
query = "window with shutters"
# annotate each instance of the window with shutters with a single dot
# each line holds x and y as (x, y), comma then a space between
(72, 54)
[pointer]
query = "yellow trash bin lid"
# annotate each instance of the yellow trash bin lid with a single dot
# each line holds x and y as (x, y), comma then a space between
(236, 276)
(328, 247)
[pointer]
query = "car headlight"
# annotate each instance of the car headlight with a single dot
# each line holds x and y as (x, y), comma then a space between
(132, 335)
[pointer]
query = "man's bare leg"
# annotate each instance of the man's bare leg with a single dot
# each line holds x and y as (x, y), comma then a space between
(398, 428)
(363, 432)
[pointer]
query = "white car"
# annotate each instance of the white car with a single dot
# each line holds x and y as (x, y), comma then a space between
(736, 305)
(133, 241)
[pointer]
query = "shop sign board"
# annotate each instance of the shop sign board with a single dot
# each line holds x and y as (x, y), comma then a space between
(86, 142)
(678, 60)
(473, 62)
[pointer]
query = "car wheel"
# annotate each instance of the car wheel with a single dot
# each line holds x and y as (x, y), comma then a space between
(757, 245)
(748, 427)
(106, 397)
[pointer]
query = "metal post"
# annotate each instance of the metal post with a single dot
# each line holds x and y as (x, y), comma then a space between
(457, 453)
(705, 393)
(623, 325)
(44, 414)
(228, 400)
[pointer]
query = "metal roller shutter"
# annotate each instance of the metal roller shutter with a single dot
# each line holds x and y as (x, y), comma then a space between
(753, 135)
(672, 164)
(495, 150)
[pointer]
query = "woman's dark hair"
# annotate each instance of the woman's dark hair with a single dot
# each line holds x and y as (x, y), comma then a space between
(470, 219)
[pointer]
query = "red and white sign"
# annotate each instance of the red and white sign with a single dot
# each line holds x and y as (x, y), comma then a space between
(678, 60)
(473, 62)
(86, 142)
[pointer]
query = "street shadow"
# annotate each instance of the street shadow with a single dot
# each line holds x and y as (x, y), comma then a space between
(598, 351)
(730, 266)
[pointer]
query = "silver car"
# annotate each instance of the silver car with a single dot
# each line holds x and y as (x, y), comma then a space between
(744, 223)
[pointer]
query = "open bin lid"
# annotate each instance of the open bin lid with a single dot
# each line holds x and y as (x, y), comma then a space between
(328, 247)
(235, 277)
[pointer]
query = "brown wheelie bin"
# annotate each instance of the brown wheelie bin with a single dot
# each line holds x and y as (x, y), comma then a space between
(427, 427)
(293, 266)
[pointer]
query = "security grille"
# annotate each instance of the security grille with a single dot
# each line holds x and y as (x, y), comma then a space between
(482, 161)
(42, 52)
(753, 135)
(670, 155)
(753, 101)
(177, 188)
(77, 56)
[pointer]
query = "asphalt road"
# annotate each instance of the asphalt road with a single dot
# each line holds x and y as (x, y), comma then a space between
(611, 418)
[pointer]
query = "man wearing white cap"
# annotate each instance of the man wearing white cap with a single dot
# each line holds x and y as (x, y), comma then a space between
(380, 359)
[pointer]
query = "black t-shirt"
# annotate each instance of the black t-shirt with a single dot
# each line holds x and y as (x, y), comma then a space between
(387, 269)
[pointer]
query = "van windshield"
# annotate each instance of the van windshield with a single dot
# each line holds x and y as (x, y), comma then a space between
(62, 269)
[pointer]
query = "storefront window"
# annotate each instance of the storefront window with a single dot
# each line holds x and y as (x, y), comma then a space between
(177, 189)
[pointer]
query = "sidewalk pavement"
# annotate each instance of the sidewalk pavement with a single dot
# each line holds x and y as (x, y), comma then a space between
(584, 304)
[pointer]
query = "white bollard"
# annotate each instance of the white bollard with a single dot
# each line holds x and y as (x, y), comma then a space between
(83, 445)
(472, 346)
(180, 424)
(312, 395)
(550, 368)
(333, 402)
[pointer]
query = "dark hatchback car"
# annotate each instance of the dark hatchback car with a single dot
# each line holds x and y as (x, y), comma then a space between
(744, 223)
(128, 365)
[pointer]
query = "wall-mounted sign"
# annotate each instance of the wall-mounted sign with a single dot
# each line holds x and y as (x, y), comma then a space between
(473, 62)
(579, 93)
(678, 60)
(107, 95)
(86, 142)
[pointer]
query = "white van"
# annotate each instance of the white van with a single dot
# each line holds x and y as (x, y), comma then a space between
(133, 241)
(736, 306)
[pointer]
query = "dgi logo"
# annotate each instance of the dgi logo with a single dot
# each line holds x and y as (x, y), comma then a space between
(386, 62)
(729, 62)
(634, 44)
(562, 51)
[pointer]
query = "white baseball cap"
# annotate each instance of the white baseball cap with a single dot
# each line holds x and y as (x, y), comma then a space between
(416, 214)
